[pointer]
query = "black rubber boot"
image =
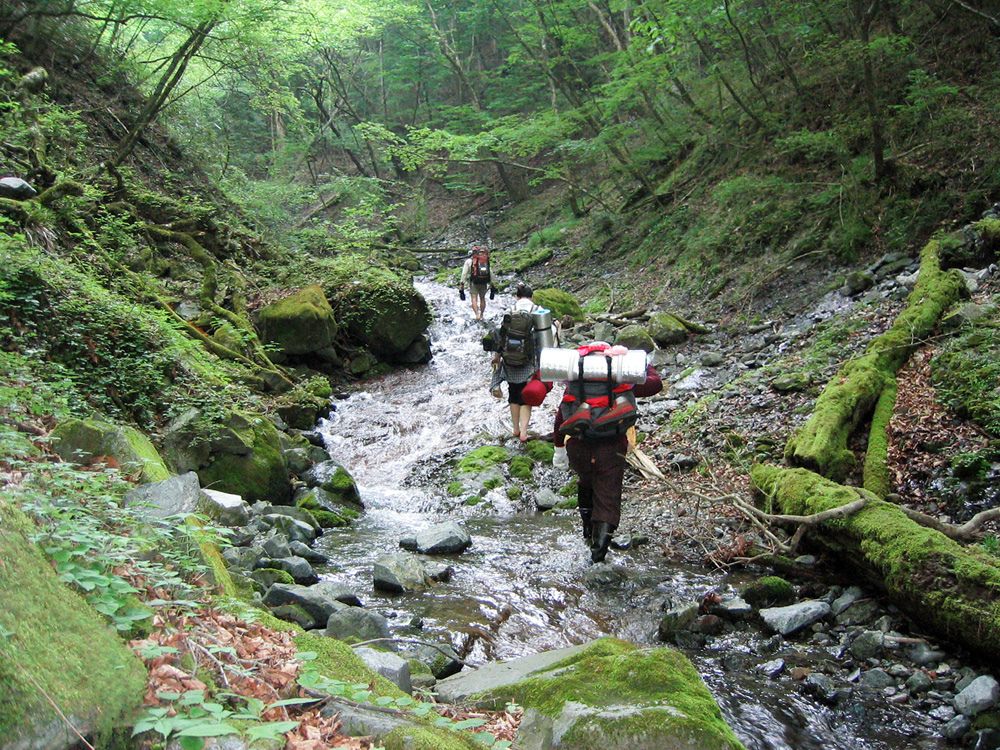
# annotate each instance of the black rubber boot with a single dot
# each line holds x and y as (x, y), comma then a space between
(600, 540)
(588, 527)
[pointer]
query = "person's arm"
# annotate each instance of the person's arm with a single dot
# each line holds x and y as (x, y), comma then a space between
(558, 439)
(466, 271)
(652, 386)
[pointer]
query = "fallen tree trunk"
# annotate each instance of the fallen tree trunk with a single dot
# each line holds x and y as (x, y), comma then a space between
(949, 589)
(821, 443)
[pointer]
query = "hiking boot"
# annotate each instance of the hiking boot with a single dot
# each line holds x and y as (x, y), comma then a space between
(600, 540)
(576, 423)
(621, 411)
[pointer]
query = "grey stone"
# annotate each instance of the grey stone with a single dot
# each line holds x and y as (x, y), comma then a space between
(922, 655)
(443, 539)
(534, 732)
(787, 620)
(919, 682)
(300, 570)
(16, 189)
(733, 609)
(399, 573)
(391, 666)
(293, 528)
(320, 600)
(179, 495)
(957, 728)
(868, 644)
(308, 553)
(772, 668)
(227, 509)
(357, 622)
(276, 546)
(546, 499)
(982, 693)
(877, 679)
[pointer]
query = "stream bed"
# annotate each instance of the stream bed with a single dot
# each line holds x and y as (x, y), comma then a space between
(526, 584)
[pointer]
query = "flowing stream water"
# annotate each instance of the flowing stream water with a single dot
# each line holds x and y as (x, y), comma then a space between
(526, 585)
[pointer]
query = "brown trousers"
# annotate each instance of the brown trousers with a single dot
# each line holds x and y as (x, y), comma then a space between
(600, 465)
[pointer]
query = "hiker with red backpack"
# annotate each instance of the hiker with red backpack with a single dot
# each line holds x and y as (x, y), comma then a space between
(516, 361)
(590, 435)
(476, 272)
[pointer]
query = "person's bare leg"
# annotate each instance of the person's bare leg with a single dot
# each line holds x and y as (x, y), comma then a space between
(515, 418)
(523, 424)
(482, 306)
(477, 306)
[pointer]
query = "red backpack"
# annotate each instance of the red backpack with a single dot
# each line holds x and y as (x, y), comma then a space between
(480, 265)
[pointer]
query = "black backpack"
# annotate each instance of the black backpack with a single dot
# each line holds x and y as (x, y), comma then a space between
(518, 339)
(583, 390)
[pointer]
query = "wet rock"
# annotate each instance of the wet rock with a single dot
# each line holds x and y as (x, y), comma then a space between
(546, 499)
(308, 553)
(320, 600)
(942, 713)
(794, 617)
(858, 613)
(919, 682)
(733, 609)
(399, 573)
(988, 739)
(300, 570)
(677, 619)
(868, 644)
(16, 189)
(982, 693)
(772, 668)
(295, 529)
(443, 539)
(957, 728)
(876, 679)
(357, 622)
(821, 687)
(276, 547)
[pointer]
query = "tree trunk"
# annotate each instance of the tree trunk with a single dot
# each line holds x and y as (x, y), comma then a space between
(949, 589)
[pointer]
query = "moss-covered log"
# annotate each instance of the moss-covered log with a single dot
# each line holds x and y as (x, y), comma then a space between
(949, 589)
(821, 443)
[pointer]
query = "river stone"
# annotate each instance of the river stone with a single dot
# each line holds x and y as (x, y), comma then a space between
(859, 613)
(983, 693)
(922, 655)
(733, 609)
(84, 440)
(292, 528)
(821, 686)
(546, 499)
(919, 682)
(320, 600)
(868, 644)
(359, 623)
(772, 668)
(877, 679)
(787, 620)
(399, 573)
(301, 323)
(227, 509)
(300, 570)
(276, 546)
(362, 720)
(308, 553)
(957, 728)
(443, 539)
(665, 329)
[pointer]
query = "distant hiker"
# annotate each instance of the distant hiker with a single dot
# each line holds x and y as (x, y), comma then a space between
(590, 435)
(479, 276)
(516, 361)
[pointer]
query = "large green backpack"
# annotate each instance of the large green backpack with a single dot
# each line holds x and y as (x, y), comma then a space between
(518, 337)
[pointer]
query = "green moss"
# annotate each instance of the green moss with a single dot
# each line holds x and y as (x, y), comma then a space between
(559, 302)
(876, 470)
(520, 467)
(515, 493)
(428, 738)
(455, 489)
(472, 501)
(331, 520)
(259, 475)
(768, 592)
(336, 660)
(84, 439)
(667, 699)
(949, 588)
(569, 489)
(570, 503)
(492, 483)
(58, 648)
(540, 450)
(483, 458)
(301, 323)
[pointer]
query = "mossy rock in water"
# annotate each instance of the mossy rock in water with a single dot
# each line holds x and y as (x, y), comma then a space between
(67, 656)
(260, 474)
(642, 698)
(301, 323)
(483, 458)
(769, 591)
(540, 450)
(521, 467)
(83, 440)
(559, 303)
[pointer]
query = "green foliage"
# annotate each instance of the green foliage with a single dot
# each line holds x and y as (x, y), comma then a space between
(966, 372)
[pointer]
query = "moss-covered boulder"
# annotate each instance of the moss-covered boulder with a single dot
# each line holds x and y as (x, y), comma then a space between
(83, 440)
(329, 510)
(559, 302)
(59, 652)
(666, 329)
(301, 323)
(635, 337)
(607, 694)
(429, 738)
(260, 473)
(376, 306)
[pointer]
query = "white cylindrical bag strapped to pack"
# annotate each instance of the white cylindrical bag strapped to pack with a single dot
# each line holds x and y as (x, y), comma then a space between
(564, 364)
(543, 327)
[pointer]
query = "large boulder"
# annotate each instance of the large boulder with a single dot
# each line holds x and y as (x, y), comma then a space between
(646, 699)
(250, 464)
(72, 670)
(84, 440)
(666, 329)
(378, 308)
(635, 337)
(301, 323)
